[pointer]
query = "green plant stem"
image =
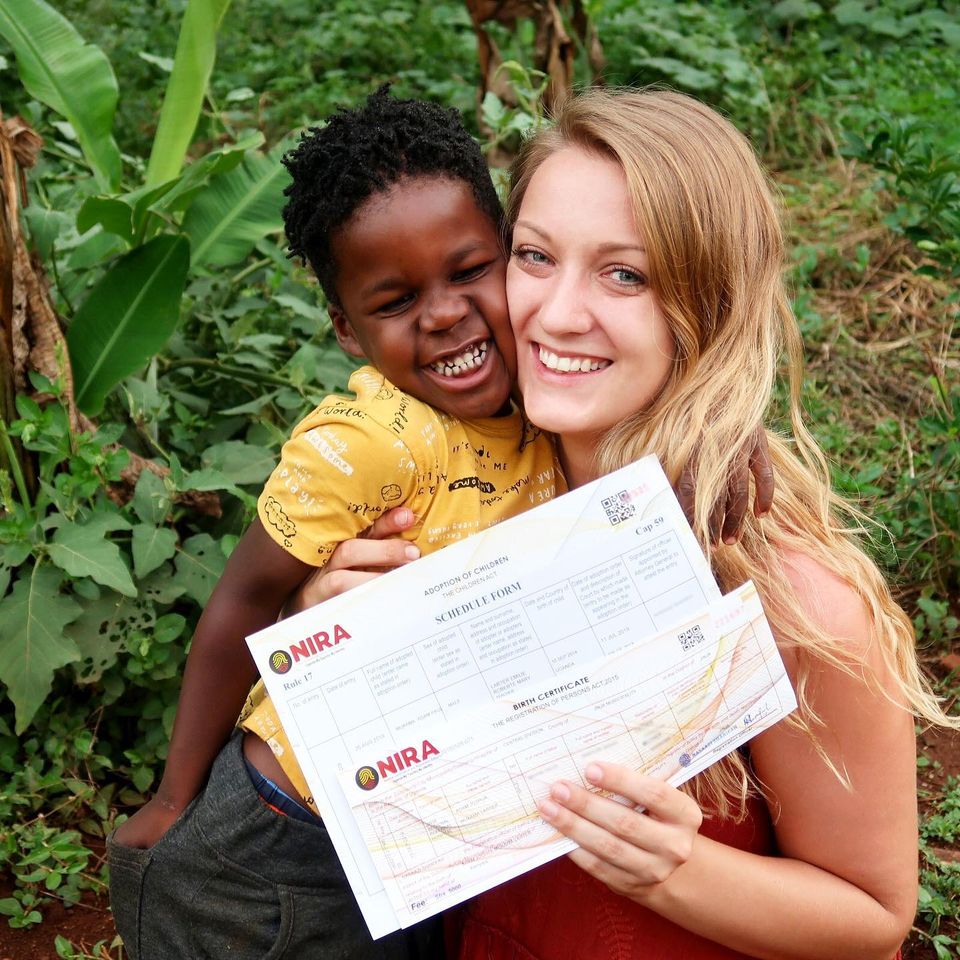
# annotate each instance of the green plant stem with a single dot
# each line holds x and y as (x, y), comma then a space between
(151, 440)
(243, 373)
(15, 467)
(248, 269)
(55, 270)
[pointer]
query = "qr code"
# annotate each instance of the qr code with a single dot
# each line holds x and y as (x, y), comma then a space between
(690, 638)
(618, 508)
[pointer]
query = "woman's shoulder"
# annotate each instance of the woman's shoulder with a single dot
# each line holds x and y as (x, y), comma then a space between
(831, 603)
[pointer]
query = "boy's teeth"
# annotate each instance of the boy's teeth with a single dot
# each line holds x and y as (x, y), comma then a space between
(570, 364)
(470, 359)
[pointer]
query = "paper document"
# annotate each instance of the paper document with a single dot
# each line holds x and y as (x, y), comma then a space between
(576, 588)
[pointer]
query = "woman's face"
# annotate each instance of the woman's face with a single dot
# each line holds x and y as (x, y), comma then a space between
(592, 343)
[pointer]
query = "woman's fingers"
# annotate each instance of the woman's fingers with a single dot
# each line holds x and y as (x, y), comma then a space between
(371, 555)
(658, 798)
(626, 848)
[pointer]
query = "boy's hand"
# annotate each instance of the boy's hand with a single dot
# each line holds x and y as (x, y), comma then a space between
(375, 551)
(148, 824)
(727, 516)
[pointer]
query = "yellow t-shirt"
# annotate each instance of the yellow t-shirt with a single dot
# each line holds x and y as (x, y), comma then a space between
(350, 460)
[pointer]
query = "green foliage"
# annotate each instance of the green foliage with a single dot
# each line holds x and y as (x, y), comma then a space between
(51, 772)
(508, 126)
(694, 47)
(939, 900)
(238, 209)
(32, 640)
(101, 950)
(68, 75)
(925, 179)
(228, 200)
(204, 372)
(183, 98)
(127, 317)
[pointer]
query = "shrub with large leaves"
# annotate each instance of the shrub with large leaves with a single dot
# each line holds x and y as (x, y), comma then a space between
(226, 200)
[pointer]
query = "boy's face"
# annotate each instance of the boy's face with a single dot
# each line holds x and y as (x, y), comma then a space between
(420, 276)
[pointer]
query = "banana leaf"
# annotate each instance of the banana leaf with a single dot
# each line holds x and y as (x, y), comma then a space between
(236, 210)
(131, 215)
(192, 65)
(127, 317)
(70, 76)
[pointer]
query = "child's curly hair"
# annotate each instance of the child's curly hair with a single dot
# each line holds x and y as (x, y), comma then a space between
(364, 151)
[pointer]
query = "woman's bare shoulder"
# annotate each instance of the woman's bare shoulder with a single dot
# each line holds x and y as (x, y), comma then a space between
(832, 603)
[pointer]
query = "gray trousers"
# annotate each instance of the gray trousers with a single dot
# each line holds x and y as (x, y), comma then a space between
(233, 879)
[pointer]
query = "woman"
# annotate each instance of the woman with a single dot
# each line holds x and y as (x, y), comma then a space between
(645, 293)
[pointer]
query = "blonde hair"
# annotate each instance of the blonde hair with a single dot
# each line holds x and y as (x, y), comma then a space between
(711, 229)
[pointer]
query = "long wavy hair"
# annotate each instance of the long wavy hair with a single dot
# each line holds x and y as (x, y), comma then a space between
(711, 228)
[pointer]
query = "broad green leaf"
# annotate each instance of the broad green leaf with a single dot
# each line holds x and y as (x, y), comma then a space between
(70, 76)
(32, 641)
(789, 11)
(14, 553)
(192, 65)
(164, 63)
(236, 210)
(151, 502)
(241, 462)
(95, 248)
(207, 479)
(45, 227)
(682, 73)
(101, 629)
(161, 586)
(334, 370)
(127, 318)
(113, 214)
(309, 311)
(185, 187)
(126, 215)
(106, 521)
(151, 546)
(142, 777)
(85, 552)
(169, 627)
(199, 563)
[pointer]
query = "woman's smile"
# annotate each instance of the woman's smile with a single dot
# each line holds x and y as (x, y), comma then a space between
(565, 364)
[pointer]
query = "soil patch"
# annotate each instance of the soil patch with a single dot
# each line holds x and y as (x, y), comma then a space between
(85, 924)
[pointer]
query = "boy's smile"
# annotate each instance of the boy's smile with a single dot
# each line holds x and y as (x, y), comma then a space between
(420, 277)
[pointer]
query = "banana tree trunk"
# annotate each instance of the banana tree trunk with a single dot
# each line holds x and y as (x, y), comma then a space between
(31, 338)
(554, 49)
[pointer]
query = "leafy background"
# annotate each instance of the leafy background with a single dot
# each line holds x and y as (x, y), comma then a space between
(195, 343)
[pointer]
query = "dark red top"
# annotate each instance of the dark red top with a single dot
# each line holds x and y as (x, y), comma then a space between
(558, 912)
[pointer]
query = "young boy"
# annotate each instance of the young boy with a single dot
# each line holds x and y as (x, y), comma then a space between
(393, 207)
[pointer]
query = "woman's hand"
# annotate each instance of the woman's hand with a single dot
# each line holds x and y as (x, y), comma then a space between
(628, 850)
(375, 551)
